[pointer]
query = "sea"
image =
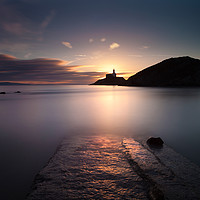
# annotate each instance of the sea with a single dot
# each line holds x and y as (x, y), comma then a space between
(34, 122)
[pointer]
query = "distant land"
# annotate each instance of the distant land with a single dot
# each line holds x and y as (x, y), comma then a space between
(172, 72)
(11, 83)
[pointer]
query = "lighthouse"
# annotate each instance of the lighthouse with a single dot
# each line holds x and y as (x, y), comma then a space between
(111, 76)
(111, 79)
(114, 74)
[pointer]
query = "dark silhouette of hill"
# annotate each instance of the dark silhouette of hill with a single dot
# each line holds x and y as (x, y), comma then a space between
(173, 72)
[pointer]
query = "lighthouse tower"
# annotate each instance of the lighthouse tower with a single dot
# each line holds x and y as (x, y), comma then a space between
(114, 74)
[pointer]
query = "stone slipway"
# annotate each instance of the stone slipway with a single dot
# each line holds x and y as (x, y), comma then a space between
(165, 169)
(107, 167)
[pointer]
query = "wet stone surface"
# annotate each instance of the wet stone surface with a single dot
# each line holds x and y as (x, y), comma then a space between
(174, 175)
(88, 168)
(107, 167)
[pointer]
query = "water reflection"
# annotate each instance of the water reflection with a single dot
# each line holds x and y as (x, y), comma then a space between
(33, 122)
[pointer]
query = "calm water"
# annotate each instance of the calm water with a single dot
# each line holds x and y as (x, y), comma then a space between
(34, 122)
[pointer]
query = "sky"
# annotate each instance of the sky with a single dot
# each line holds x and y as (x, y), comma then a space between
(79, 41)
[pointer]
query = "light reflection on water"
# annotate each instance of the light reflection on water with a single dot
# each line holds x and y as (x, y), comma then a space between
(33, 122)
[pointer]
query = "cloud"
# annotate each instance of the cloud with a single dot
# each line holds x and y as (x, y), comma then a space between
(6, 57)
(135, 55)
(15, 28)
(67, 44)
(13, 47)
(27, 55)
(48, 19)
(12, 21)
(97, 55)
(103, 39)
(91, 40)
(81, 55)
(44, 70)
(43, 25)
(114, 45)
(145, 47)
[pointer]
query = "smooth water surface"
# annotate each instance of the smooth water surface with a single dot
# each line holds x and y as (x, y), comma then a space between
(33, 123)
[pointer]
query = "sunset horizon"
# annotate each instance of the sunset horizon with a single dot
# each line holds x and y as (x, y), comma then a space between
(49, 68)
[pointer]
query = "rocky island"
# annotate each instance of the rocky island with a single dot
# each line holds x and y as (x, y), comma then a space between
(111, 79)
(172, 72)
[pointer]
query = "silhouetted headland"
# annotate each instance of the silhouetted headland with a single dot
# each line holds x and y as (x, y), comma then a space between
(111, 79)
(172, 72)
